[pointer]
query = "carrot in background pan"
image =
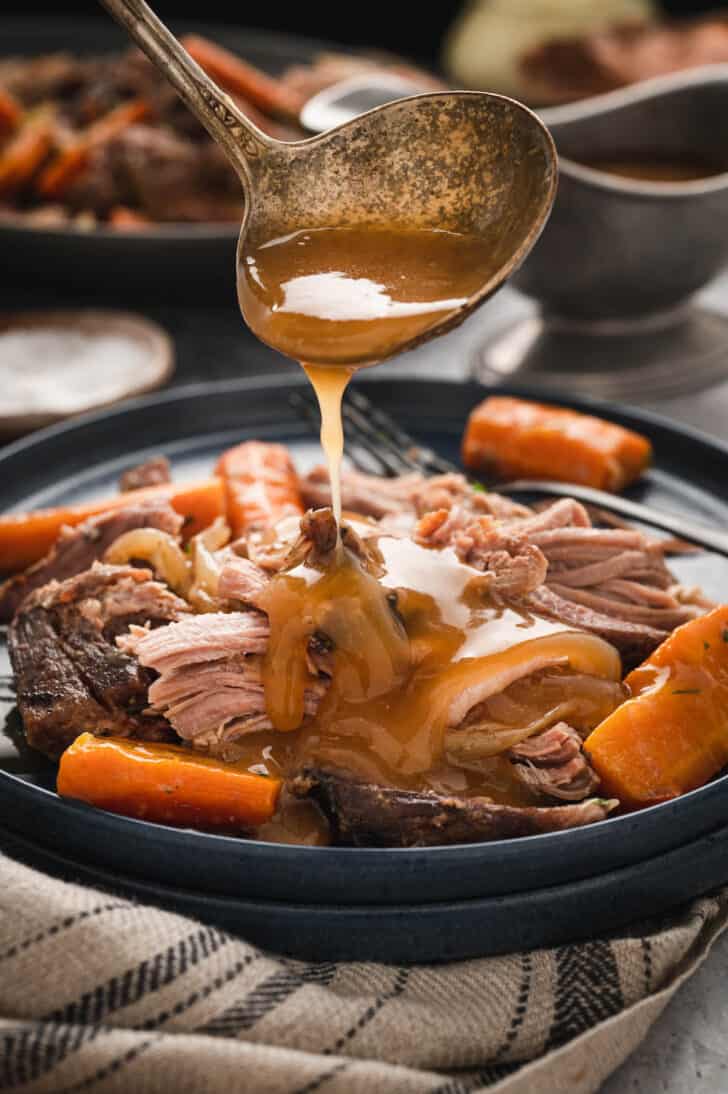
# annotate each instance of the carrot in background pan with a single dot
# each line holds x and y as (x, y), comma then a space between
(261, 485)
(125, 219)
(237, 76)
(672, 736)
(25, 151)
(27, 537)
(166, 784)
(71, 160)
(11, 112)
(514, 438)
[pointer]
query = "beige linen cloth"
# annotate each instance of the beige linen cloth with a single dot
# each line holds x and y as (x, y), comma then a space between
(100, 994)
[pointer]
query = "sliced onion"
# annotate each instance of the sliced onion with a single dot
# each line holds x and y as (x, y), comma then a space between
(527, 707)
(206, 566)
(160, 550)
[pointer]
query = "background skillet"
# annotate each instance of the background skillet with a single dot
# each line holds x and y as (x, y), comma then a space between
(158, 259)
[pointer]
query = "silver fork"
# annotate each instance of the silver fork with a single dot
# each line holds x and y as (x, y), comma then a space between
(376, 444)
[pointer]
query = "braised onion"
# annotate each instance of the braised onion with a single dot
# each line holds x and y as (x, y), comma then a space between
(160, 550)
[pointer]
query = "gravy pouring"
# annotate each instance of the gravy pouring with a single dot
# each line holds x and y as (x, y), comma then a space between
(409, 631)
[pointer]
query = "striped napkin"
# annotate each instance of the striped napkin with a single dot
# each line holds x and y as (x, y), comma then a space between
(100, 994)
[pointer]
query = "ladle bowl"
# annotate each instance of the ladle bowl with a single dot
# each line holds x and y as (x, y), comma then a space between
(469, 162)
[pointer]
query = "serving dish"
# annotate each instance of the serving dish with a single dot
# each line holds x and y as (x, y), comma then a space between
(191, 425)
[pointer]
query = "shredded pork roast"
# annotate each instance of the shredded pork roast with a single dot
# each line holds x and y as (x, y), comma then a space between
(113, 650)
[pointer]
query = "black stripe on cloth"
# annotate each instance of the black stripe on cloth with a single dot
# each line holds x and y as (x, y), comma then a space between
(400, 983)
(324, 1077)
(647, 961)
(201, 993)
(36, 1052)
(32, 1052)
(478, 1080)
(111, 1068)
(264, 998)
(149, 976)
(519, 1013)
(495, 1071)
(63, 925)
(587, 990)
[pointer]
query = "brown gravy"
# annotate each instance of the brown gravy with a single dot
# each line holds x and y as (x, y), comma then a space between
(340, 296)
(411, 629)
(655, 170)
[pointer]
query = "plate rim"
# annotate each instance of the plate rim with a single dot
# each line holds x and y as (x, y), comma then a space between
(508, 848)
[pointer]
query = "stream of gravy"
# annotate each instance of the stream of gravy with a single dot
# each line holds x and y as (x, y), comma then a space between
(405, 632)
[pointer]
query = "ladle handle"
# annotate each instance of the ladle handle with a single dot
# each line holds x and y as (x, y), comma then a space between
(224, 121)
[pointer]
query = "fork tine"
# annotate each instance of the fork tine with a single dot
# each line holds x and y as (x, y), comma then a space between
(387, 448)
(420, 457)
(306, 406)
(357, 423)
(305, 409)
(389, 463)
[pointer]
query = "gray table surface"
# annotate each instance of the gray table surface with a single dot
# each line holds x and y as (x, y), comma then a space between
(687, 1050)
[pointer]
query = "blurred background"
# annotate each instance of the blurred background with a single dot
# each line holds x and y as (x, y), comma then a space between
(375, 24)
(112, 196)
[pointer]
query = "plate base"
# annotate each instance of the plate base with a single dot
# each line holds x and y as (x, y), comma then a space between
(409, 934)
(646, 359)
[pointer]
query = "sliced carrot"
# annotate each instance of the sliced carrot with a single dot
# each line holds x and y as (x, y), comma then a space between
(241, 78)
(513, 438)
(166, 784)
(27, 537)
(672, 736)
(261, 485)
(25, 151)
(126, 219)
(11, 112)
(71, 160)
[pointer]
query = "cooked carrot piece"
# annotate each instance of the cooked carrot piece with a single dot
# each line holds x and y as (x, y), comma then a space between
(166, 784)
(513, 438)
(25, 151)
(11, 112)
(71, 160)
(125, 219)
(672, 736)
(241, 78)
(261, 485)
(27, 537)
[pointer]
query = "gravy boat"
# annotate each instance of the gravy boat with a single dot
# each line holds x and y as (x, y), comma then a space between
(618, 263)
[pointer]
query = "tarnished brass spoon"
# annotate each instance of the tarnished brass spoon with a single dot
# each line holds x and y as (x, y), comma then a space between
(469, 162)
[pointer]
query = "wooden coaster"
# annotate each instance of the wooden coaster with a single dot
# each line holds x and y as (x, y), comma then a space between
(54, 364)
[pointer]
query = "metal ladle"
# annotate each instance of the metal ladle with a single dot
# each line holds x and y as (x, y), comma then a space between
(469, 162)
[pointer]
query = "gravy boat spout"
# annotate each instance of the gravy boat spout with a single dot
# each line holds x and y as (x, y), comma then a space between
(621, 257)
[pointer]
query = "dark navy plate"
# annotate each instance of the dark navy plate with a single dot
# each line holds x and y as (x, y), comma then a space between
(449, 930)
(83, 458)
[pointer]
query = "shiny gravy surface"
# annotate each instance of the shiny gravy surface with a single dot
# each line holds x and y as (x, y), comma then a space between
(353, 295)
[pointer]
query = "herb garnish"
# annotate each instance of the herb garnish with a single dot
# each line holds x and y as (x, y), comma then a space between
(687, 691)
